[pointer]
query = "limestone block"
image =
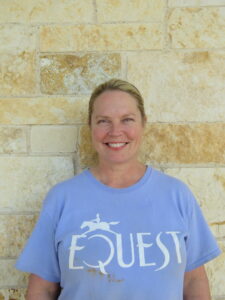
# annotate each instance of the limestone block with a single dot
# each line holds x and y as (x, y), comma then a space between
(184, 144)
(17, 60)
(101, 37)
(74, 74)
(53, 139)
(13, 140)
(215, 272)
(43, 110)
(12, 294)
(208, 185)
(180, 86)
(15, 230)
(126, 10)
(192, 3)
(42, 11)
(220, 230)
(26, 180)
(197, 27)
(9, 276)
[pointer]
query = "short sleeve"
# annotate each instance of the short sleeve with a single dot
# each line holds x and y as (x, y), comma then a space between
(200, 243)
(40, 254)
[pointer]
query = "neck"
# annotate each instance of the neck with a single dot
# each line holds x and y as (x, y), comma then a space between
(119, 176)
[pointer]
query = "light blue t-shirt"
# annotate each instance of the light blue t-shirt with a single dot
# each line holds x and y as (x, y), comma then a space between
(104, 243)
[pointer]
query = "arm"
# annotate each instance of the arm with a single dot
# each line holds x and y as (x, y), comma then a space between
(196, 286)
(41, 289)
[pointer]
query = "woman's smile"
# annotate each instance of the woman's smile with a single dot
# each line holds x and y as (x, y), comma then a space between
(116, 145)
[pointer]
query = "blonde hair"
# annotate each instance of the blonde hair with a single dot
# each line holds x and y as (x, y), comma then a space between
(117, 85)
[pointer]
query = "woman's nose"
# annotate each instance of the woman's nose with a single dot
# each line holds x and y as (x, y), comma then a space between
(115, 129)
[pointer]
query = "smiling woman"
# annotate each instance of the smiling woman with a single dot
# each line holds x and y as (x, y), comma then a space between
(116, 130)
(121, 229)
(117, 119)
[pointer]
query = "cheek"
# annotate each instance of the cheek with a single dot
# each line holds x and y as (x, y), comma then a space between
(136, 133)
(98, 134)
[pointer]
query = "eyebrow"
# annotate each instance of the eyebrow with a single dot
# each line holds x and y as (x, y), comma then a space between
(123, 116)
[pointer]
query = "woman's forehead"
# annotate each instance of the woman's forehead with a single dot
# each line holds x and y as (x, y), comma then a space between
(111, 115)
(113, 100)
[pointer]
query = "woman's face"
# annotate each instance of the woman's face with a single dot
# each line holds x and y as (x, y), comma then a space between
(116, 127)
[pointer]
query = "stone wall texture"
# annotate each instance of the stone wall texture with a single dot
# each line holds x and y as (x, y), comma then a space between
(53, 53)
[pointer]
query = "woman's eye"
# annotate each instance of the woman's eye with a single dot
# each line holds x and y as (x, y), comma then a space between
(101, 121)
(128, 120)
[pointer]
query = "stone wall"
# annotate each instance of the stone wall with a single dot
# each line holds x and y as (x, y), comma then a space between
(52, 53)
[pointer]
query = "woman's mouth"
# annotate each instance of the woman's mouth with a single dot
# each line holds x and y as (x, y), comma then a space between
(116, 145)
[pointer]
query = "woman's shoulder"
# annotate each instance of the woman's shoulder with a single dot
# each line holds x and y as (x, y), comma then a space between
(63, 190)
(174, 189)
(169, 181)
(70, 183)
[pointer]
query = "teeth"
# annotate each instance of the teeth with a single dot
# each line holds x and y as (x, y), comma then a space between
(116, 145)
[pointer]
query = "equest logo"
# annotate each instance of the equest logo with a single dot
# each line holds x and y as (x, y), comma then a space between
(116, 246)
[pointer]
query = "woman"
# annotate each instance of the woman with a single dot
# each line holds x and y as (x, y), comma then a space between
(119, 230)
